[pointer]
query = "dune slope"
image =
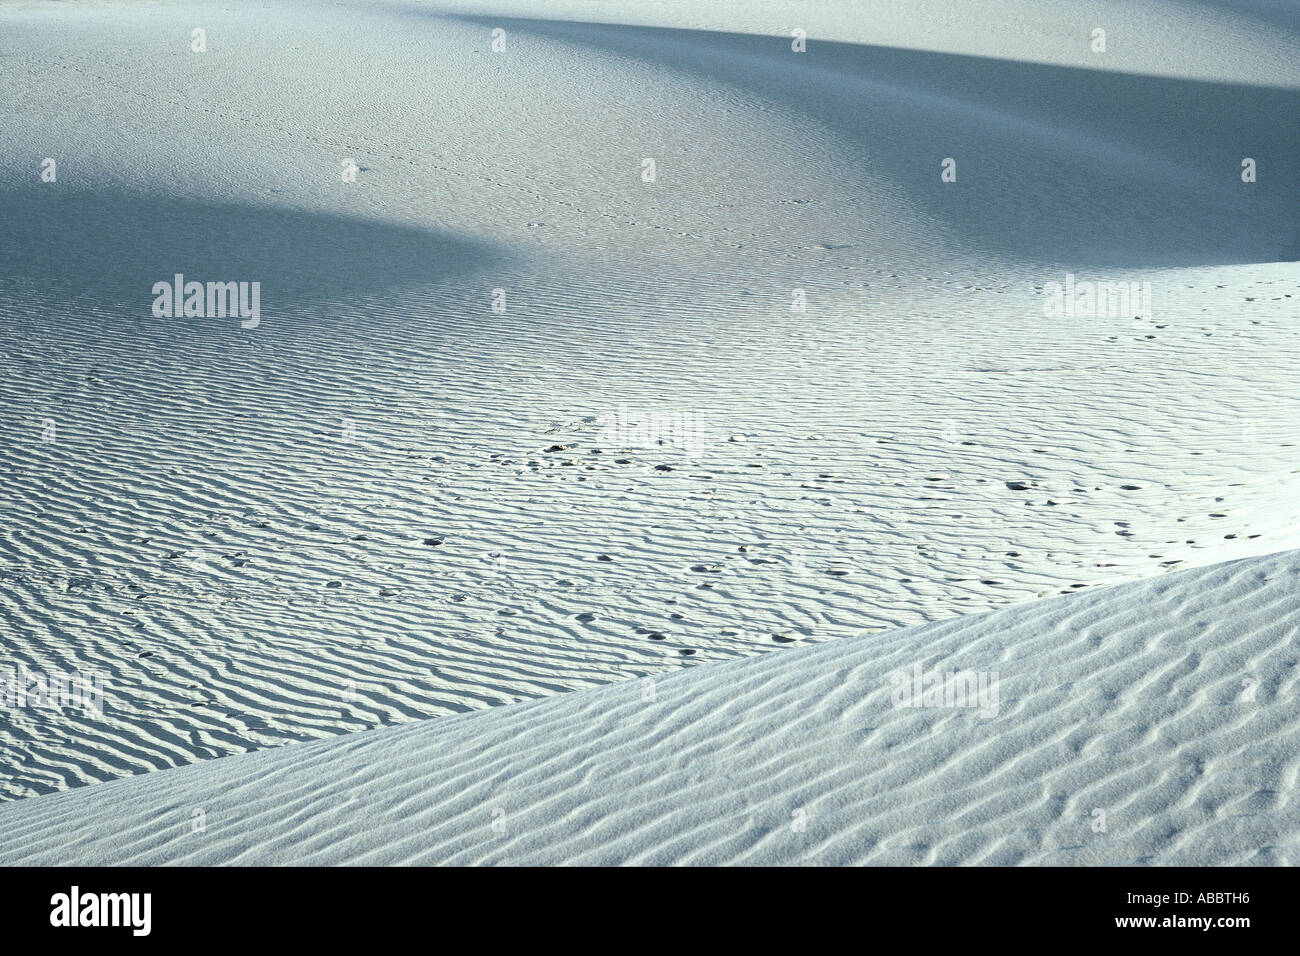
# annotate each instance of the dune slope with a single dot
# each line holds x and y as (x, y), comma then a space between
(1150, 722)
(389, 501)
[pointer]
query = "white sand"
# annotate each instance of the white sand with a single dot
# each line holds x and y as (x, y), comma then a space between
(231, 524)
(1124, 734)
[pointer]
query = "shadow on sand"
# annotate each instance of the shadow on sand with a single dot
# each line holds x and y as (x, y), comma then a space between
(1056, 164)
(65, 248)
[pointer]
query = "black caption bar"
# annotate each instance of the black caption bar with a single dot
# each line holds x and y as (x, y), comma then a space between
(136, 906)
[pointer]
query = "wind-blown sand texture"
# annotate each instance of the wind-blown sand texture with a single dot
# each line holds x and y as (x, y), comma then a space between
(1125, 733)
(389, 503)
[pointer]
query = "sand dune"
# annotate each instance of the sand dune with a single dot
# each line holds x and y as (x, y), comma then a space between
(1150, 722)
(389, 502)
